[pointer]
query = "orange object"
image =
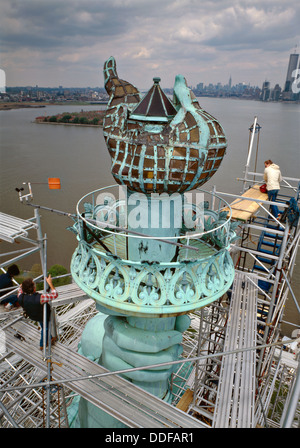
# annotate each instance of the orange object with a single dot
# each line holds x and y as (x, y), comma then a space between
(54, 183)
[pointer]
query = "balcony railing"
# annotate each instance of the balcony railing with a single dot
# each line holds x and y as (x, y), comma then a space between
(201, 271)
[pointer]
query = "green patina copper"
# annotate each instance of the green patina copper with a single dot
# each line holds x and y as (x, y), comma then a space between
(147, 286)
(153, 290)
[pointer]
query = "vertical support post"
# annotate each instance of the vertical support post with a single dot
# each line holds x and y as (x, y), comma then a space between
(289, 412)
(47, 337)
(249, 153)
(45, 317)
(64, 406)
(43, 255)
(200, 332)
(213, 199)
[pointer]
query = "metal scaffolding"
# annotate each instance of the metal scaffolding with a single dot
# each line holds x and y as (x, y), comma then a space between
(251, 315)
(235, 370)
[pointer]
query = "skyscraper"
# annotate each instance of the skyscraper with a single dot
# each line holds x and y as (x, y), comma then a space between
(230, 82)
(265, 91)
(293, 65)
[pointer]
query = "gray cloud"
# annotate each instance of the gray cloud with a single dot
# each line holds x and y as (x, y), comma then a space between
(54, 42)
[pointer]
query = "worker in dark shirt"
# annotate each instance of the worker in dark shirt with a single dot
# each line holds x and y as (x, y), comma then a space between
(6, 281)
(32, 302)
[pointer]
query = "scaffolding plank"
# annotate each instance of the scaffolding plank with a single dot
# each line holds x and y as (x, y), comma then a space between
(68, 294)
(12, 227)
(74, 312)
(244, 209)
(236, 389)
(115, 395)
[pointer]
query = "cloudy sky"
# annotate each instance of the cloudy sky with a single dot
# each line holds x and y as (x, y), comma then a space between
(65, 42)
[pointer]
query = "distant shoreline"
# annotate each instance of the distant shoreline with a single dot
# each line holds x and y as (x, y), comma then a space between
(10, 106)
(29, 105)
(70, 124)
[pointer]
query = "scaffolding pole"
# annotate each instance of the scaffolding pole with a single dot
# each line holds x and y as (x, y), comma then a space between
(292, 403)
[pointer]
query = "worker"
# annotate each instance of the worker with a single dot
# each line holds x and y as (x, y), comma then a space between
(32, 302)
(272, 177)
(6, 281)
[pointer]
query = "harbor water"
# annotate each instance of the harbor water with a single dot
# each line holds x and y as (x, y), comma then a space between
(32, 152)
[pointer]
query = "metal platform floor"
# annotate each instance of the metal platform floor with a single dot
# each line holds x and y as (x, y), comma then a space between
(118, 397)
(12, 228)
(68, 294)
(236, 391)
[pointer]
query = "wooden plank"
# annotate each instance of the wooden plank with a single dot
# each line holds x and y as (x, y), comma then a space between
(185, 400)
(244, 209)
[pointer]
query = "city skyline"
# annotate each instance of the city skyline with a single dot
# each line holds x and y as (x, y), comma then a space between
(66, 43)
(230, 84)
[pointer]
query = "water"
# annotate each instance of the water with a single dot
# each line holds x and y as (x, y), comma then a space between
(33, 152)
